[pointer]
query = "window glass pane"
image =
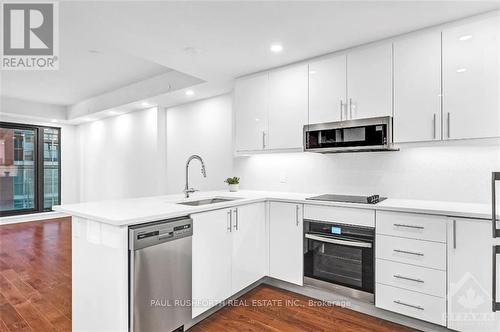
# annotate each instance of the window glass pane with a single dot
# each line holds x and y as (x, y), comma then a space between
(51, 153)
(17, 169)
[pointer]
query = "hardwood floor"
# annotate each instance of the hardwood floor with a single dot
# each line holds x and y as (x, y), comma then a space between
(255, 312)
(35, 276)
(35, 292)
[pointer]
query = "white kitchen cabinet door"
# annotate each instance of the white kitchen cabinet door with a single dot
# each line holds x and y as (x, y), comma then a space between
(211, 262)
(470, 275)
(250, 111)
(369, 82)
(287, 107)
(249, 245)
(417, 88)
(471, 80)
(286, 242)
(327, 90)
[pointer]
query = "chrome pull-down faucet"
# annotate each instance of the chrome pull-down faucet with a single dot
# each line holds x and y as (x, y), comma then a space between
(188, 190)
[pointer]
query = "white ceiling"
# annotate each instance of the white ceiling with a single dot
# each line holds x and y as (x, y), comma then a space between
(214, 41)
(82, 74)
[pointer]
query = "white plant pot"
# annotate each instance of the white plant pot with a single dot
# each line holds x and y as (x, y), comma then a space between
(234, 187)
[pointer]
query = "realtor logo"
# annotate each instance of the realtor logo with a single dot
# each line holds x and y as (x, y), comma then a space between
(30, 36)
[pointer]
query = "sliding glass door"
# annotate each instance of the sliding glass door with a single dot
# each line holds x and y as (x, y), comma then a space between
(29, 168)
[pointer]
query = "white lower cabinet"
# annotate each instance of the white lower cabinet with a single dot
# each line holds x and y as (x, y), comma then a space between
(228, 253)
(249, 245)
(411, 265)
(470, 276)
(286, 242)
(211, 261)
(416, 252)
(411, 277)
(417, 305)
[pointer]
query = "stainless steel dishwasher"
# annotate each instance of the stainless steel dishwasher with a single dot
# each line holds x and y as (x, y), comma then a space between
(160, 275)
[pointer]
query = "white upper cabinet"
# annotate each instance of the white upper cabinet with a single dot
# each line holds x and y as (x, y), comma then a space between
(471, 80)
(417, 88)
(369, 82)
(327, 90)
(251, 106)
(287, 107)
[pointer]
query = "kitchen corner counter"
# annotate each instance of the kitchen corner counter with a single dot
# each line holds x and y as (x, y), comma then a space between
(126, 212)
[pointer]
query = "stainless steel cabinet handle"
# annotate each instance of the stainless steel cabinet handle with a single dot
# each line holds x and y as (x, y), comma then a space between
(357, 244)
(408, 252)
(263, 139)
(434, 125)
(454, 234)
(236, 219)
(495, 177)
(448, 124)
(407, 278)
(409, 226)
(409, 305)
(496, 305)
(297, 215)
(229, 220)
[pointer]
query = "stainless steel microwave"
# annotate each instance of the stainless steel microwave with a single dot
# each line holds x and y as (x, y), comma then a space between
(370, 134)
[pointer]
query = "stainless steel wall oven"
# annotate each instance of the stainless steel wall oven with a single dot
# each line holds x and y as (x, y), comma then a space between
(340, 256)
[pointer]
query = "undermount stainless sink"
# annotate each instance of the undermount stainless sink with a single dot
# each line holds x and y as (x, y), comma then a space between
(209, 201)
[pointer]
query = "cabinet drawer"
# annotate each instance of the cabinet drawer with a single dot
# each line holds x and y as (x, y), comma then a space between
(411, 277)
(421, 306)
(341, 215)
(411, 225)
(409, 251)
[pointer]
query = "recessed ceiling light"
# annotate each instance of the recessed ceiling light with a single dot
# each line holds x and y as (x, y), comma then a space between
(146, 104)
(276, 48)
(112, 112)
(461, 70)
(312, 72)
(189, 92)
(54, 121)
(88, 119)
(465, 37)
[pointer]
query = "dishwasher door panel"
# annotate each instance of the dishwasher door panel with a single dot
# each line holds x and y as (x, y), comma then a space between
(161, 281)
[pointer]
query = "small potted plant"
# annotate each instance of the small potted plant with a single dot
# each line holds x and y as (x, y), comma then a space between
(234, 183)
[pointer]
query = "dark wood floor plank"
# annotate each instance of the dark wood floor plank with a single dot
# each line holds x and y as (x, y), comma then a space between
(35, 276)
(290, 312)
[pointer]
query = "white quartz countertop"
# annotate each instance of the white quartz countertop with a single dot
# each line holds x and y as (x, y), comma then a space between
(126, 212)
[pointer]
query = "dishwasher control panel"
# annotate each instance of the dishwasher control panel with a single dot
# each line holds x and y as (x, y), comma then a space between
(146, 235)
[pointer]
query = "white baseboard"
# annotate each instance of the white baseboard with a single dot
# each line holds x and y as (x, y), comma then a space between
(31, 217)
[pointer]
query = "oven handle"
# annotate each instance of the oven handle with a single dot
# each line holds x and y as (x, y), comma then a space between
(341, 242)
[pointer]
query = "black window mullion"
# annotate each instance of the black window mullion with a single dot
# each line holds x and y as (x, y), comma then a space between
(40, 179)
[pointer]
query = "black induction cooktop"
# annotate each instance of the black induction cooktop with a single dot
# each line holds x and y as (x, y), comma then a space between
(373, 199)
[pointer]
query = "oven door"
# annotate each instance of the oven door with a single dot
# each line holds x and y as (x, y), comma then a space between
(340, 260)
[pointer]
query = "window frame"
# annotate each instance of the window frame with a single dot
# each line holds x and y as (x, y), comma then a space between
(39, 167)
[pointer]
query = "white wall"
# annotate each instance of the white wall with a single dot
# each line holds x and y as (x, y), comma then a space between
(449, 171)
(123, 156)
(204, 128)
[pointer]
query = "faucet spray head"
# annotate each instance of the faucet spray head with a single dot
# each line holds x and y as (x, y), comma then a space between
(203, 170)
